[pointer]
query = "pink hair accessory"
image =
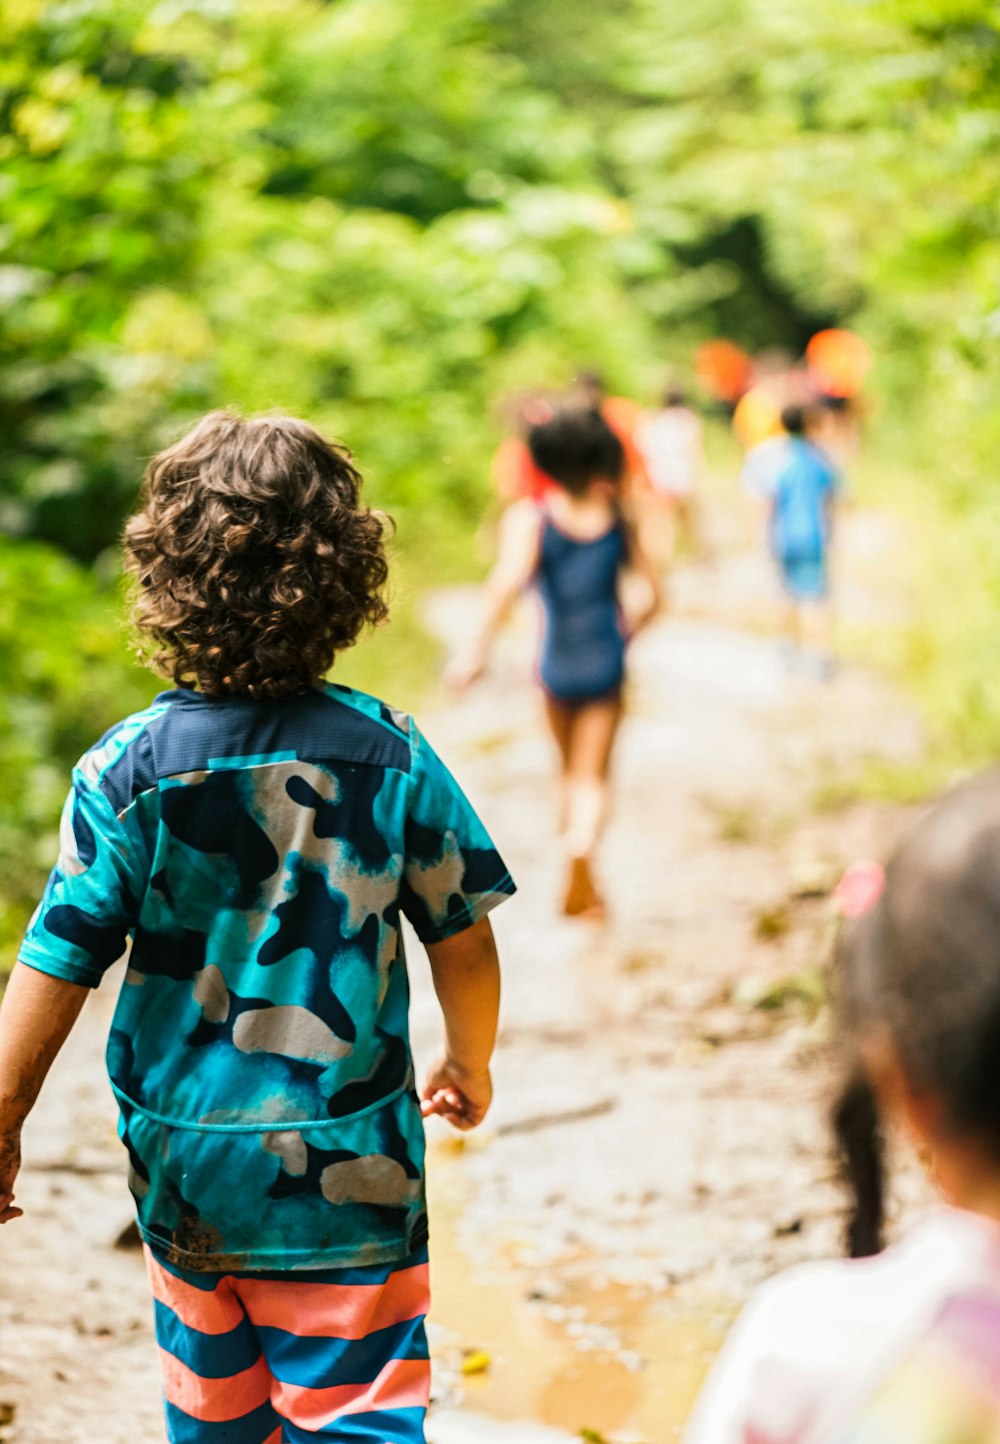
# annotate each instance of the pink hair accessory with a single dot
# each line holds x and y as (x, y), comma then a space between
(537, 411)
(860, 888)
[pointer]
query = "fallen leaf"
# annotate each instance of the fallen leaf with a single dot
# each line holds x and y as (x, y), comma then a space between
(476, 1361)
(772, 922)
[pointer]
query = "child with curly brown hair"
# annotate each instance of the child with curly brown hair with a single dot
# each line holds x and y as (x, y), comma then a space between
(256, 835)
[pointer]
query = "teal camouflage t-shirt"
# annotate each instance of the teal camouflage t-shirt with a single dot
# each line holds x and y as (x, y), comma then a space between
(259, 856)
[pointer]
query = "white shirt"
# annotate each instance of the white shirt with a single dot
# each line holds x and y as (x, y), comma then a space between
(815, 1343)
(670, 443)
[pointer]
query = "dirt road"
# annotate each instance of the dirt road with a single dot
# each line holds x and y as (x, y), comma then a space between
(657, 1144)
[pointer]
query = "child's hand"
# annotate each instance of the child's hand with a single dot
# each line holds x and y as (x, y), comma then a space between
(460, 1097)
(10, 1166)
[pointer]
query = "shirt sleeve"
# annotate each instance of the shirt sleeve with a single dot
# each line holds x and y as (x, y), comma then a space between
(793, 1351)
(89, 906)
(453, 874)
(724, 1408)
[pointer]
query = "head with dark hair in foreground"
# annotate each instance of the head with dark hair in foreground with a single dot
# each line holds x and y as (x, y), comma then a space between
(919, 982)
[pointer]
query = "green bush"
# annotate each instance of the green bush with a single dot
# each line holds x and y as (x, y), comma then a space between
(65, 677)
(387, 215)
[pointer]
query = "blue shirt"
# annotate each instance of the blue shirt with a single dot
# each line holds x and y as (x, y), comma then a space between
(259, 856)
(804, 484)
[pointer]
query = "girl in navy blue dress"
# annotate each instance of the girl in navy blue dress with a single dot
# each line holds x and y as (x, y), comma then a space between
(573, 544)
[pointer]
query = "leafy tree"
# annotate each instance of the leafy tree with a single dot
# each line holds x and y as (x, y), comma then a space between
(104, 172)
(65, 681)
(386, 215)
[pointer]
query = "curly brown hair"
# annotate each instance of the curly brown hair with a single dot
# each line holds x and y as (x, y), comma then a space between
(253, 560)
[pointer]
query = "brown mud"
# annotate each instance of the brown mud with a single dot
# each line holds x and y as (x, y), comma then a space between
(657, 1145)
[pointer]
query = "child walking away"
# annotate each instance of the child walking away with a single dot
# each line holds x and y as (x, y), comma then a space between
(258, 834)
(904, 1347)
(671, 443)
(800, 488)
(574, 545)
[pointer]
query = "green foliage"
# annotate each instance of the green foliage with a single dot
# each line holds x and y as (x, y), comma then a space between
(66, 679)
(342, 209)
(103, 172)
(387, 215)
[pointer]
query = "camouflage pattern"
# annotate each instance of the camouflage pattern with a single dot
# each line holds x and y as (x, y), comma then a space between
(258, 856)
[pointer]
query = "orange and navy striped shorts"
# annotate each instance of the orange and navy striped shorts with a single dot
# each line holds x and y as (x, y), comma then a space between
(279, 1358)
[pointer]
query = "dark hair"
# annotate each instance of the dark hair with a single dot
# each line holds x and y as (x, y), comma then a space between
(254, 562)
(587, 379)
(575, 447)
(861, 1155)
(924, 965)
(794, 420)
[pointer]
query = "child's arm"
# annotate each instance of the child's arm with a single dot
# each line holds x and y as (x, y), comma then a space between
(466, 973)
(517, 561)
(699, 457)
(37, 1015)
(643, 566)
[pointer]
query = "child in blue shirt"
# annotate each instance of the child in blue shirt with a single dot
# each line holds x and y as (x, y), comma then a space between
(799, 487)
(252, 839)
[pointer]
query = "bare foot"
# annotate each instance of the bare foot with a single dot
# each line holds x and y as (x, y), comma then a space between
(581, 899)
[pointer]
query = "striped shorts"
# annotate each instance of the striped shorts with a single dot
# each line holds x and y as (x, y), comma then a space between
(279, 1358)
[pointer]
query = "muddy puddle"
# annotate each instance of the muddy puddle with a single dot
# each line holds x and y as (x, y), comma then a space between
(561, 1345)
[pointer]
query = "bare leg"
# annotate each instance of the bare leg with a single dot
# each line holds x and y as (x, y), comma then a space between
(790, 621)
(592, 741)
(818, 633)
(689, 520)
(658, 530)
(588, 795)
(580, 895)
(817, 624)
(561, 720)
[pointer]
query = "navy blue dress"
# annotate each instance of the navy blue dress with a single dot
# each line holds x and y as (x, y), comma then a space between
(583, 646)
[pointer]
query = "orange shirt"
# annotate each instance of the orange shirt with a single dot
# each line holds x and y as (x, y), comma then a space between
(839, 362)
(515, 475)
(758, 416)
(625, 418)
(724, 370)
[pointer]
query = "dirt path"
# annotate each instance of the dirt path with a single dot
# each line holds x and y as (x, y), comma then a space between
(657, 1145)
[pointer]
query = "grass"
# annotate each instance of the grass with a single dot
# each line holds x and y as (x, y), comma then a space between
(880, 780)
(934, 479)
(736, 822)
(948, 569)
(746, 821)
(772, 923)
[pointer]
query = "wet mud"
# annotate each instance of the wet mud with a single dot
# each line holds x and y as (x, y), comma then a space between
(582, 1355)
